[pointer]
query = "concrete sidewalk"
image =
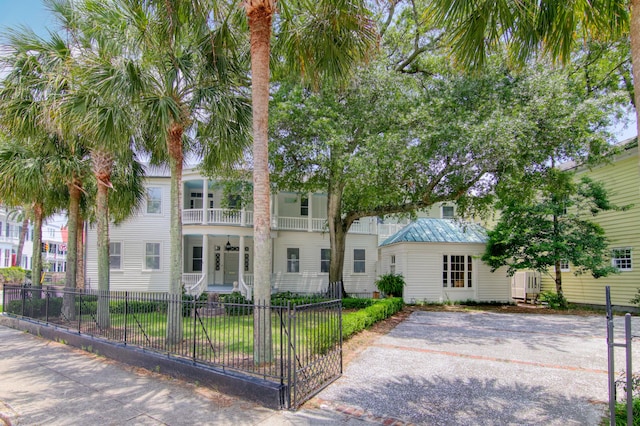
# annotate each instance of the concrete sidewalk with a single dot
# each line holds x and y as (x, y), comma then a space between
(48, 383)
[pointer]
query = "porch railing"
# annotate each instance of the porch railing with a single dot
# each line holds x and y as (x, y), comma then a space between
(305, 341)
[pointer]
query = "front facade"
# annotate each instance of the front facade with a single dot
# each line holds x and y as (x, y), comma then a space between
(218, 242)
(621, 178)
(440, 262)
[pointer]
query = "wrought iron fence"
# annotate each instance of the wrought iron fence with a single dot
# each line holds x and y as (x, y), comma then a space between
(299, 345)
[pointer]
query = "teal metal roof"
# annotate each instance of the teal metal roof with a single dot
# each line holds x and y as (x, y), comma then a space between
(438, 231)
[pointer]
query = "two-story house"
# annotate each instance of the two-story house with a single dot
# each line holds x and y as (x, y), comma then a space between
(218, 241)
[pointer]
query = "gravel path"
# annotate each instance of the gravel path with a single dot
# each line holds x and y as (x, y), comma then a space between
(443, 368)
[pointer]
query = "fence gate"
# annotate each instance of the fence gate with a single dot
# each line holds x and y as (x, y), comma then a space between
(315, 357)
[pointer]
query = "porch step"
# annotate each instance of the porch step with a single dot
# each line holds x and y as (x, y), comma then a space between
(220, 289)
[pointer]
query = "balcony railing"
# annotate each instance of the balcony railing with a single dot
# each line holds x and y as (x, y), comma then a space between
(245, 218)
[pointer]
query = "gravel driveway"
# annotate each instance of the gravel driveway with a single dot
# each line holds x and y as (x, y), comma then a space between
(481, 368)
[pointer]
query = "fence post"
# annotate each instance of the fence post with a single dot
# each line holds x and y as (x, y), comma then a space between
(126, 312)
(46, 305)
(80, 313)
(628, 338)
(195, 314)
(610, 360)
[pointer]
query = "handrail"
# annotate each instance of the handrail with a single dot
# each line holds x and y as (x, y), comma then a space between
(245, 290)
(196, 289)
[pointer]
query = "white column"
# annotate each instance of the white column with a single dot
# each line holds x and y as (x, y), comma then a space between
(274, 217)
(205, 202)
(241, 260)
(309, 212)
(205, 259)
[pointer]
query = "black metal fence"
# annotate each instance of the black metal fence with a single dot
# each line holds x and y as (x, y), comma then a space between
(298, 344)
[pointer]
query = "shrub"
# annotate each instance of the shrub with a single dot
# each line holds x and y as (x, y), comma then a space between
(282, 299)
(636, 299)
(236, 304)
(391, 284)
(554, 300)
(381, 309)
(36, 308)
(12, 275)
(356, 303)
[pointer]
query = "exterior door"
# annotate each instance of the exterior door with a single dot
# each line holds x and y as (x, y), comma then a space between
(230, 268)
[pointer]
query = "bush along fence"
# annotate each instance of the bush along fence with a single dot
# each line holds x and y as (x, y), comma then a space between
(299, 338)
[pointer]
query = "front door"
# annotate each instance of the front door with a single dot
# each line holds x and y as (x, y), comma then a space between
(230, 268)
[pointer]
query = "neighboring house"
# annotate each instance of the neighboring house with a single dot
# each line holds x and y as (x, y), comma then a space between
(218, 242)
(440, 262)
(621, 178)
(10, 238)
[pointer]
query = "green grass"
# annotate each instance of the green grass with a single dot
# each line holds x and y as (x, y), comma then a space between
(621, 413)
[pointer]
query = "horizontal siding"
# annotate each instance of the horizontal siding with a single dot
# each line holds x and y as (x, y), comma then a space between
(622, 180)
(310, 278)
(133, 234)
(421, 266)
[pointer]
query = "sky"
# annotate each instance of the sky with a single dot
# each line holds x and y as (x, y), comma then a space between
(34, 14)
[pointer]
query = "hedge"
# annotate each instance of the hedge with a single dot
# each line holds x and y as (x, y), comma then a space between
(354, 322)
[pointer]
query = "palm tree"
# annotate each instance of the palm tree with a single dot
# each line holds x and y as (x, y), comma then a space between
(182, 73)
(318, 39)
(25, 178)
(531, 26)
(20, 214)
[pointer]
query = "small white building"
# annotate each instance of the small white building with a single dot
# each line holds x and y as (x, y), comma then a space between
(440, 260)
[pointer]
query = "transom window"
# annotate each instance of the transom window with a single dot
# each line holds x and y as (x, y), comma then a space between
(359, 261)
(293, 260)
(457, 271)
(152, 256)
(621, 258)
(115, 255)
(325, 258)
(154, 200)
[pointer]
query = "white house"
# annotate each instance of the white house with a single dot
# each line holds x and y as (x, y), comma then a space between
(218, 242)
(440, 261)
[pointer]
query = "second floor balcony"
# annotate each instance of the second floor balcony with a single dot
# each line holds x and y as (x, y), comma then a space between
(226, 217)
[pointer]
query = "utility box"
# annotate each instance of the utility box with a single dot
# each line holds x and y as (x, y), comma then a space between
(525, 285)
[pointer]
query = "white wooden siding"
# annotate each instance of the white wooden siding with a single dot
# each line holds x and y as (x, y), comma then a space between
(133, 234)
(421, 266)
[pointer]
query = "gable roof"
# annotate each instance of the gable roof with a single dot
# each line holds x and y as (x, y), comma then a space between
(438, 231)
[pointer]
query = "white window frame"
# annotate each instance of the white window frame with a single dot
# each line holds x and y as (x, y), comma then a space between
(324, 261)
(622, 258)
(195, 200)
(564, 266)
(453, 212)
(146, 255)
(153, 201)
(112, 254)
(450, 276)
(392, 264)
(362, 262)
(293, 262)
(304, 206)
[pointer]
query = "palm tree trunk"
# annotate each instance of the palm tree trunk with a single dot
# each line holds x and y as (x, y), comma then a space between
(102, 204)
(260, 13)
(68, 304)
(36, 260)
(174, 314)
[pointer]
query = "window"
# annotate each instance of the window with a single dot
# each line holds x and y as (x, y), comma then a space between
(210, 196)
(392, 264)
(196, 200)
(621, 258)
(325, 258)
(304, 206)
(234, 202)
(293, 260)
(564, 266)
(447, 212)
(152, 256)
(196, 263)
(457, 271)
(154, 200)
(359, 261)
(115, 255)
